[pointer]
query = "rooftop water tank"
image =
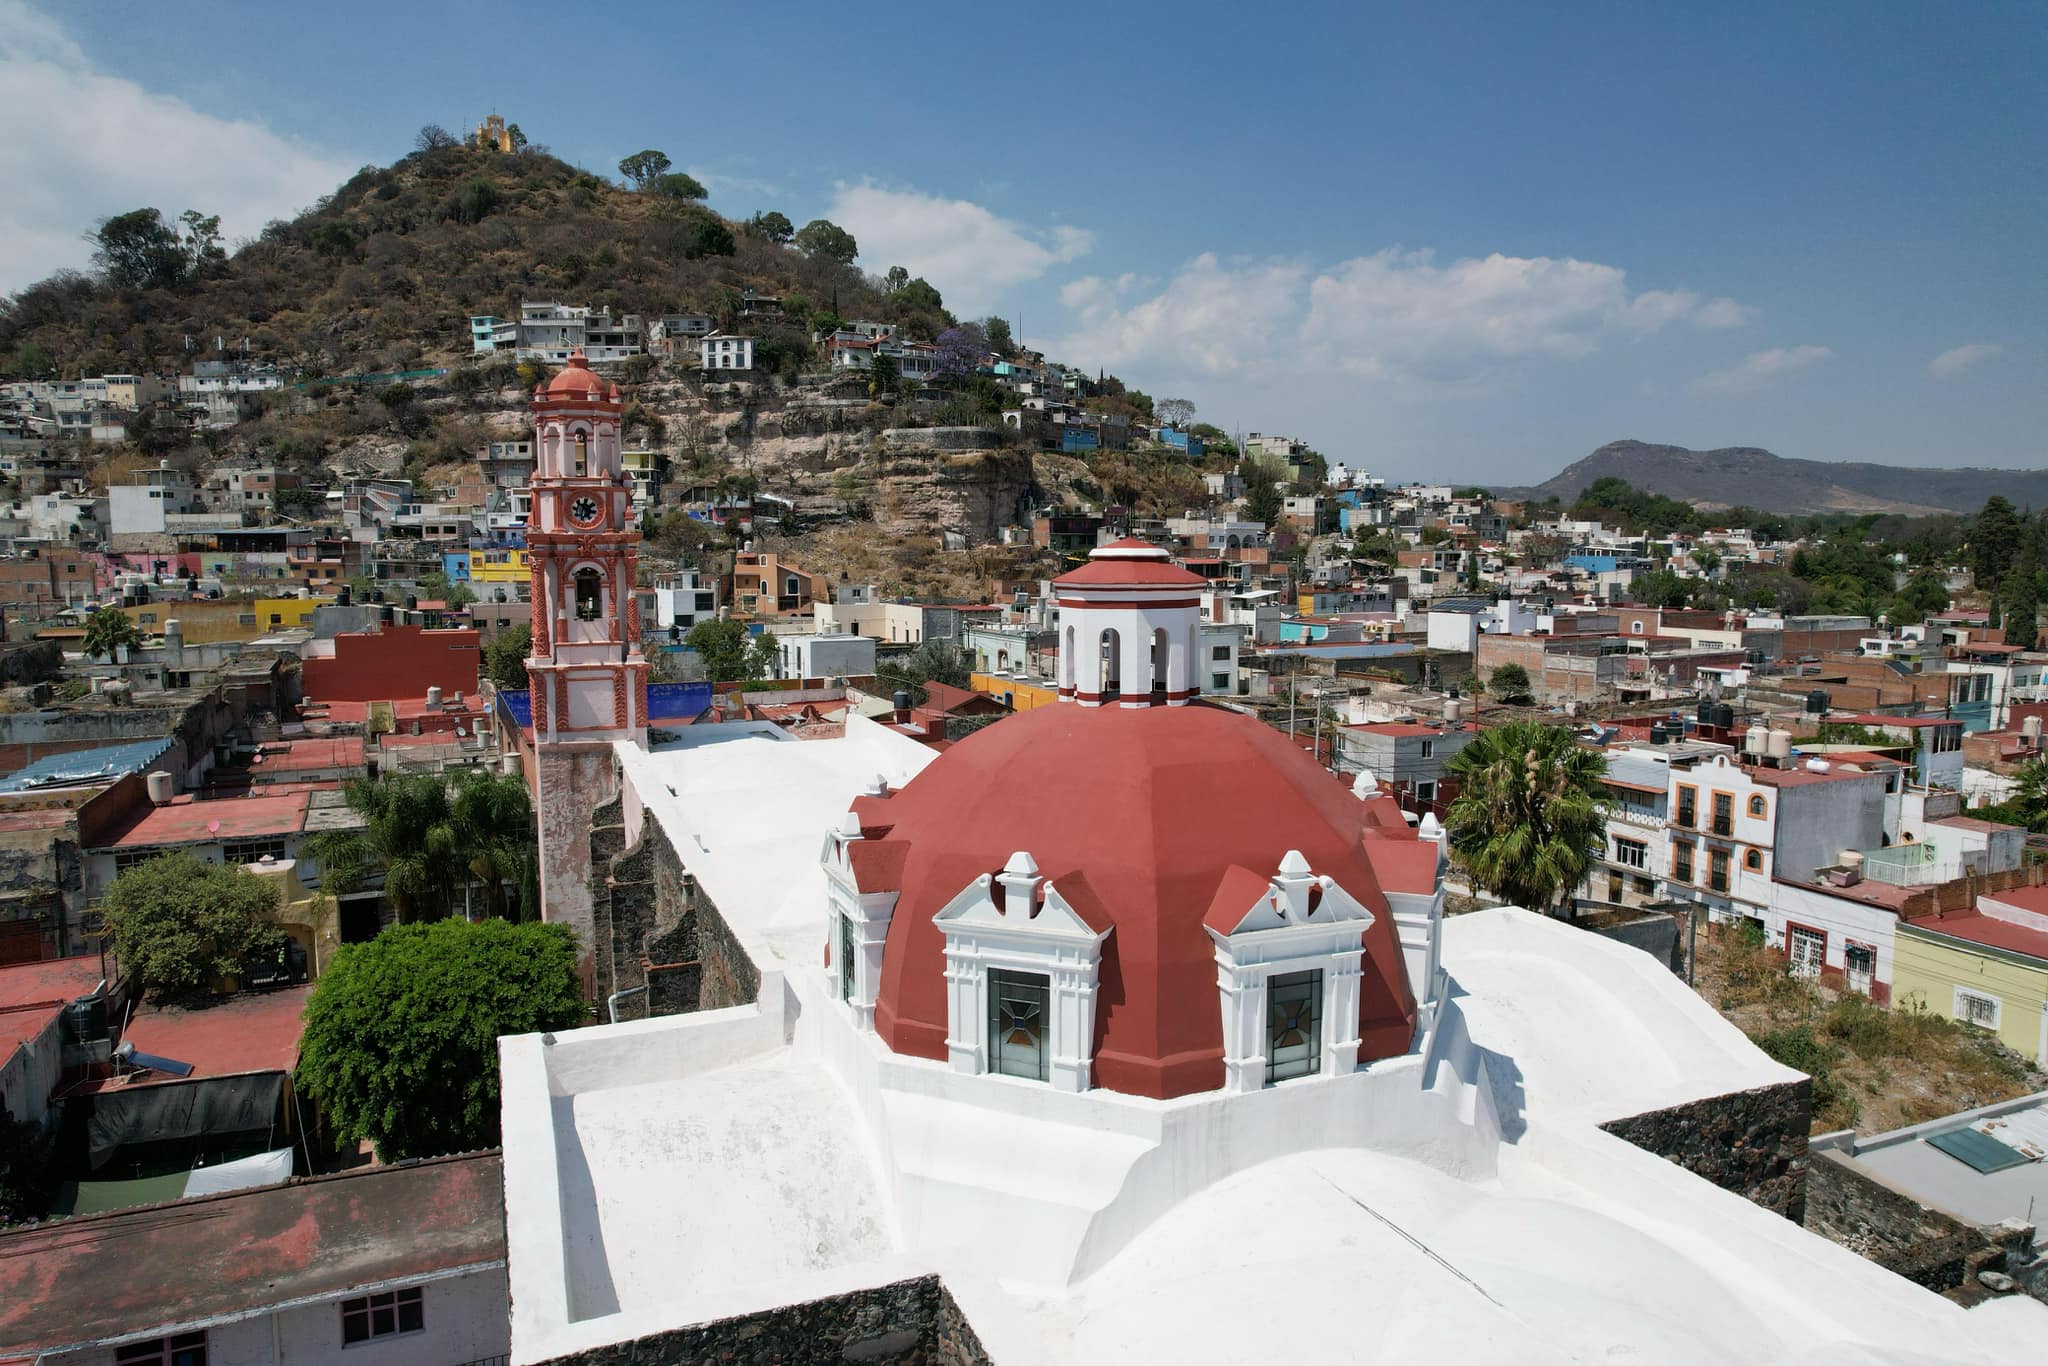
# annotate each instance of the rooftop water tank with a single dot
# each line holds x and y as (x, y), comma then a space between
(1817, 702)
(1778, 744)
(1756, 741)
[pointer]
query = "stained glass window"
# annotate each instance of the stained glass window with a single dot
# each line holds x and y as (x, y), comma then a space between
(1294, 1019)
(1017, 1007)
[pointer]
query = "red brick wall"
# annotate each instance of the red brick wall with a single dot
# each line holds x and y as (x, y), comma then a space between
(397, 662)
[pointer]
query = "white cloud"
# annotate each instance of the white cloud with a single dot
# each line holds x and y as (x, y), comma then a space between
(81, 144)
(1957, 359)
(969, 253)
(1211, 317)
(1391, 315)
(1760, 367)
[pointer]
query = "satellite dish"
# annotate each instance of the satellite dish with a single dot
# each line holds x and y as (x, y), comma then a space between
(213, 827)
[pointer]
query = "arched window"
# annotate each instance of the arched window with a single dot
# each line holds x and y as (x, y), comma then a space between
(582, 453)
(1753, 860)
(589, 594)
(1757, 807)
(1112, 649)
(1160, 650)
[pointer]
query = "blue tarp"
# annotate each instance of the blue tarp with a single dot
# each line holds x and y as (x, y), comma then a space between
(665, 702)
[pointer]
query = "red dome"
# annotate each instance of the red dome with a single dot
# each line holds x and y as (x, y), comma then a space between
(578, 381)
(1130, 563)
(1137, 817)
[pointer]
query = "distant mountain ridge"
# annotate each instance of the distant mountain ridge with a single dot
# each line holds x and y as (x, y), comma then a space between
(1754, 477)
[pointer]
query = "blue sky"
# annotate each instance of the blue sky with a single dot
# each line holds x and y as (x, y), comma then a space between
(1456, 242)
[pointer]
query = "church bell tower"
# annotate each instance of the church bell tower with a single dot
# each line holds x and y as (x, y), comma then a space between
(587, 674)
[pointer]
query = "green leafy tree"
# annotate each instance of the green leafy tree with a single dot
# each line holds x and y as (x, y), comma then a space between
(401, 1038)
(505, 656)
(517, 137)
(771, 227)
(2027, 803)
(1262, 503)
(179, 923)
(202, 240)
(882, 375)
(823, 238)
(34, 361)
(935, 661)
(1527, 823)
(2022, 606)
(895, 278)
(138, 250)
(677, 185)
(1661, 588)
(1510, 684)
(431, 839)
(997, 330)
(1994, 540)
(697, 233)
(108, 630)
(642, 167)
(478, 199)
(730, 652)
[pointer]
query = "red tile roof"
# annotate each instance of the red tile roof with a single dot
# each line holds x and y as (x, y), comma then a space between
(296, 755)
(94, 1277)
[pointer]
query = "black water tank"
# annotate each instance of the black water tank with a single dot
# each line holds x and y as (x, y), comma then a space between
(412, 602)
(1817, 702)
(85, 1020)
(1658, 735)
(1706, 711)
(903, 699)
(341, 596)
(1724, 716)
(384, 614)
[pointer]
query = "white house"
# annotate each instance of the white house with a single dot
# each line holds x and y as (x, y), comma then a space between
(719, 352)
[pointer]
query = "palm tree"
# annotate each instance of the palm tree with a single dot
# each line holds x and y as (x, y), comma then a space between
(1527, 823)
(431, 838)
(107, 630)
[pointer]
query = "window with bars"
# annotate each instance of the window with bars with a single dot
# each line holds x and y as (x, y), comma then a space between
(1294, 1025)
(382, 1315)
(1681, 863)
(184, 1349)
(1688, 807)
(1977, 1008)
(1717, 870)
(1018, 1007)
(1724, 813)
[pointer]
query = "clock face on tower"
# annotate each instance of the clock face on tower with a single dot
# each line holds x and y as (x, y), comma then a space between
(583, 511)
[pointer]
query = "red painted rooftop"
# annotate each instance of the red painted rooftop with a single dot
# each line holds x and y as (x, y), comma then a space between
(185, 821)
(296, 755)
(248, 1032)
(1155, 808)
(1399, 728)
(32, 994)
(1978, 928)
(98, 1276)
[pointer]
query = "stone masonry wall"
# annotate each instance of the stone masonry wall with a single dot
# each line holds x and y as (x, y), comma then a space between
(655, 928)
(1848, 1205)
(909, 1323)
(1751, 1142)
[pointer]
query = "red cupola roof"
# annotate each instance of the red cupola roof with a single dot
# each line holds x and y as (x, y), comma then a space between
(578, 382)
(1141, 819)
(1129, 563)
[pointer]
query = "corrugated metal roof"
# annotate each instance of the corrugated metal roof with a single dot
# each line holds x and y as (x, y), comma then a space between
(85, 766)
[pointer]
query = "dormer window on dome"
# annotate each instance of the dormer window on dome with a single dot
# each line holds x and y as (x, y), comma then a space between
(1129, 628)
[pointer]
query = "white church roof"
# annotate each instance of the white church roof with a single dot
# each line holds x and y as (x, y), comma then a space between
(700, 1167)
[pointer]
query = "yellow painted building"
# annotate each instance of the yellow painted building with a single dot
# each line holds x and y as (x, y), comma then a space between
(202, 620)
(1943, 966)
(1020, 694)
(499, 567)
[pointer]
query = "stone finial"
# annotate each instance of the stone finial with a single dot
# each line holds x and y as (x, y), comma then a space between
(1293, 865)
(1430, 828)
(1365, 785)
(849, 826)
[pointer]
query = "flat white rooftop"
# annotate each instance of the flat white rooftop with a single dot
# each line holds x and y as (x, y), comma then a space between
(701, 1167)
